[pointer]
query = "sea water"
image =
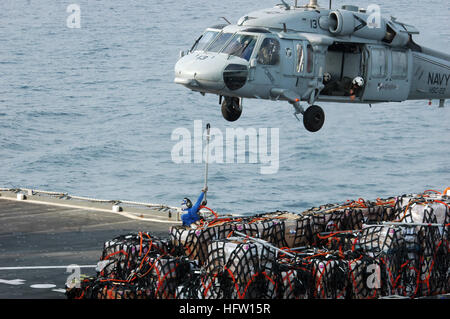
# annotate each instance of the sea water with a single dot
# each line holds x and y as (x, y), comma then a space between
(90, 111)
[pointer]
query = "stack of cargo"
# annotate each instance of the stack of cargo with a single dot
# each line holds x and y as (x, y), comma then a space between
(358, 250)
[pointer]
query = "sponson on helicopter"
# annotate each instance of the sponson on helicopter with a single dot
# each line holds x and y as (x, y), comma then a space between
(307, 54)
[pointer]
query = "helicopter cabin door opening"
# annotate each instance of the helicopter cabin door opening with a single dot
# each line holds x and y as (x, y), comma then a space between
(388, 74)
(344, 63)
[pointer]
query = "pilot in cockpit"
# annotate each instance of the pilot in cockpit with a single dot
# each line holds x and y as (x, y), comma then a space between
(241, 46)
(246, 53)
(268, 53)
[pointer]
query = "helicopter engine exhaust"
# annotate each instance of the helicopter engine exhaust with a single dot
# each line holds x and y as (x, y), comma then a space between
(360, 24)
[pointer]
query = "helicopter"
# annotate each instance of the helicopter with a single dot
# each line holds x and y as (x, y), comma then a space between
(309, 54)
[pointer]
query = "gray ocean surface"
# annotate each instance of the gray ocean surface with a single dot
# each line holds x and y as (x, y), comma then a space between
(91, 111)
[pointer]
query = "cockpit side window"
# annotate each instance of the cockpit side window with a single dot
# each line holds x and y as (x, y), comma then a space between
(241, 46)
(310, 59)
(219, 42)
(300, 58)
(269, 53)
(204, 40)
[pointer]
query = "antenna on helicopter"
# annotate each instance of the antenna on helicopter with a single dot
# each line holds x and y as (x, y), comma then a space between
(312, 4)
(226, 20)
(286, 5)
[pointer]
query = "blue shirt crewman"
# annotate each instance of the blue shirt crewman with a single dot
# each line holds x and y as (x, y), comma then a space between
(192, 211)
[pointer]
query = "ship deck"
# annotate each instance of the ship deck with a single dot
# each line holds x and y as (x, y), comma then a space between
(40, 238)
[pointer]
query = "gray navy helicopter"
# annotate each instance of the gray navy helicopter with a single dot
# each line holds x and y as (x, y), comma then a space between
(307, 54)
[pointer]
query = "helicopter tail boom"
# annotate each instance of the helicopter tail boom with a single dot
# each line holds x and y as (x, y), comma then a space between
(431, 75)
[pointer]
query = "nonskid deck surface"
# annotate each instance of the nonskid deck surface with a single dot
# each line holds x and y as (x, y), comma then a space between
(39, 241)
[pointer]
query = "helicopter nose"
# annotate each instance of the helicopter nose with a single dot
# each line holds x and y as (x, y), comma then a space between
(200, 72)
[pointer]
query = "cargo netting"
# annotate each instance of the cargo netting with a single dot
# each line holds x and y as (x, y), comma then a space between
(356, 250)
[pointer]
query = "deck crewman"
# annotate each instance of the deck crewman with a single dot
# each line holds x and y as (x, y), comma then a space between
(192, 215)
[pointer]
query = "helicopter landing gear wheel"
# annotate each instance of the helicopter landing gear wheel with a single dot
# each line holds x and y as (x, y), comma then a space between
(231, 108)
(313, 118)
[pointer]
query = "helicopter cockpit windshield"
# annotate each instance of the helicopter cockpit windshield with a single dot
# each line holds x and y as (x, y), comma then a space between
(204, 41)
(219, 42)
(236, 44)
(241, 45)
